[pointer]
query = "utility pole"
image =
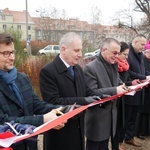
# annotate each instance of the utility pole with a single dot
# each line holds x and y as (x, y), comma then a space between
(27, 37)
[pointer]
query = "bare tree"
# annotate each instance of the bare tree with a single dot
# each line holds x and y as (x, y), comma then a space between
(144, 7)
(126, 19)
(49, 22)
(98, 34)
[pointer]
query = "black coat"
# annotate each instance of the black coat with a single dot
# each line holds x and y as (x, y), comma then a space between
(58, 87)
(143, 119)
(147, 89)
(145, 108)
(136, 71)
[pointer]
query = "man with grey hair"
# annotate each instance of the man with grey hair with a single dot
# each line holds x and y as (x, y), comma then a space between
(101, 76)
(62, 82)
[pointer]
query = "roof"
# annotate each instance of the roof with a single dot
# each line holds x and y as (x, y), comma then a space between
(18, 16)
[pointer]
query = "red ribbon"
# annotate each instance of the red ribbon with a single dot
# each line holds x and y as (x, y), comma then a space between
(51, 124)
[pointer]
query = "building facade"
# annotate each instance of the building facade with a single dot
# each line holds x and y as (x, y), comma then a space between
(50, 30)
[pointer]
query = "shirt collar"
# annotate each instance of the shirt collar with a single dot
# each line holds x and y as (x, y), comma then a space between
(66, 64)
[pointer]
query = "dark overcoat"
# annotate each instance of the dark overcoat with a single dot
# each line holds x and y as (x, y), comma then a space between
(58, 87)
(136, 71)
(29, 113)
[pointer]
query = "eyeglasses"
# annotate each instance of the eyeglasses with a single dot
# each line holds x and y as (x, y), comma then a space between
(7, 54)
(113, 52)
(148, 52)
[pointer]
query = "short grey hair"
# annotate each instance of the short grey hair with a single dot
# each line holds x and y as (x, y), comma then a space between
(138, 37)
(68, 38)
(107, 41)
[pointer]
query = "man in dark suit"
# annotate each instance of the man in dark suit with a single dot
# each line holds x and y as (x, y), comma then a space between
(101, 76)
(136, 71)
(60, 86)
(18, 101)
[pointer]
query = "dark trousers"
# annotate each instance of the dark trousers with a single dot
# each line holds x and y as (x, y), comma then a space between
(130, 120)
(118, 138)
(26, 145)
(120, 129)
(92, 145)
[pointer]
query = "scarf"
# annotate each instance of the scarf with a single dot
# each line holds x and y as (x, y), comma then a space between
(9, 79)
(122, 65)
(111, 70)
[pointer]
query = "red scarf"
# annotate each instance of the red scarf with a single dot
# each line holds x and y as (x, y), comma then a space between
(122, 65)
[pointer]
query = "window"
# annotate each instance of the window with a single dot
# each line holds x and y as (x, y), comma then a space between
(48, 47)
(3, 17)
(4, 26)
(56, 47)
(19, 27)
(29, 27)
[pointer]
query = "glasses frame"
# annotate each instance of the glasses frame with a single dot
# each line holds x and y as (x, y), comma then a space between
(113, 52)
(7, 54)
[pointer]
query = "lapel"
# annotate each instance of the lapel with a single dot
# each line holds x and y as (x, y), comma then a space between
(8, 93)
(61, 68)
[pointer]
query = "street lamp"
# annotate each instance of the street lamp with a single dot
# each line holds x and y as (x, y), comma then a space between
(27, 38)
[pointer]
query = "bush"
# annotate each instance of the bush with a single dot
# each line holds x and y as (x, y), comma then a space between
(36, 46)
(32, 66)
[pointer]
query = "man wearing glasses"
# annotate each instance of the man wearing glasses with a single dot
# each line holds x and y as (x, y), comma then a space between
(18, 101)
(101, 76)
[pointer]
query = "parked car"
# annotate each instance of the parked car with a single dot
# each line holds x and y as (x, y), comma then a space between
(92, 54)
(50, 50)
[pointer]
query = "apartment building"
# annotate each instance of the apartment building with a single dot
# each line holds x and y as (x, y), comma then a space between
(16, 20)
(50, 30)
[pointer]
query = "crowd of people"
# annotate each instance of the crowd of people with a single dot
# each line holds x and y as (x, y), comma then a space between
(63, 82)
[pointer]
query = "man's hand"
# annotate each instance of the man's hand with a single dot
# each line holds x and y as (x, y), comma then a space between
(136, 81)
(104, 96)
(53, 115)
(148, 78)
(67, 108)
(121, 89)
(91, 99)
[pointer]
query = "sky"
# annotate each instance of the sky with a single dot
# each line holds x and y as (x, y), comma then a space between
(74, 9)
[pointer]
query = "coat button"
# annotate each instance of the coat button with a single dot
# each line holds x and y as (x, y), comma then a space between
(20, 113)
(20, 110)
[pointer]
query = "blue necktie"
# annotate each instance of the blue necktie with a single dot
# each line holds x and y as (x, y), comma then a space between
(71, 70)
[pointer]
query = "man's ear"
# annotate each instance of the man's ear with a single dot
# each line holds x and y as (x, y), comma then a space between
(63, 48)
(103, 50)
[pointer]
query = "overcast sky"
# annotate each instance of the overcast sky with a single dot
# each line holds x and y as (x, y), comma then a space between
(74, 9)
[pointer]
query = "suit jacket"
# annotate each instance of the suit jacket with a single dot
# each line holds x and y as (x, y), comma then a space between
(32, 109)
(58, 87)
(101, 121)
